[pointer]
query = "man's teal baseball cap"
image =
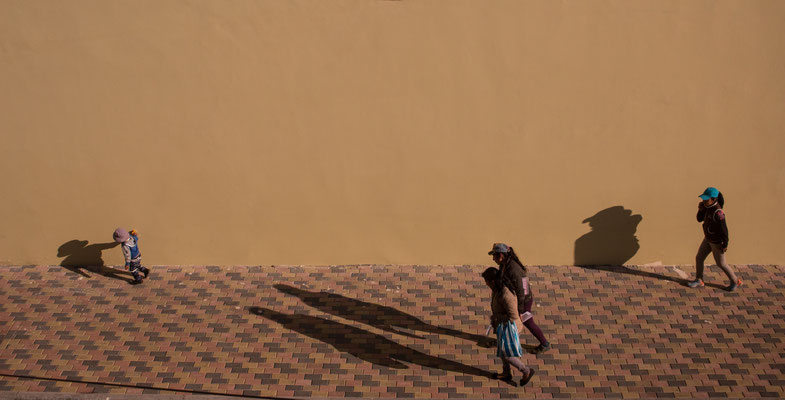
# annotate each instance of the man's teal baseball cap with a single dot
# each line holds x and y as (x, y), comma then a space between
(710, 193)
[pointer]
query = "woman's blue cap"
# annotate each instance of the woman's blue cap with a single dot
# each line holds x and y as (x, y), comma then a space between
(710, 193)
(499, 248)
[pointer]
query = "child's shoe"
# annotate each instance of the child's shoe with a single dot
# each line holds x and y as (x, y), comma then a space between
(695, 283)
(137, 277)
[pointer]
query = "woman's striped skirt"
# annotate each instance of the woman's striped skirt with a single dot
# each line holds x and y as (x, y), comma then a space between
(507, 340)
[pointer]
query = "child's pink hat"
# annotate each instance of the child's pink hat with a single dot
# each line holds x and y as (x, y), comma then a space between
(120, 235)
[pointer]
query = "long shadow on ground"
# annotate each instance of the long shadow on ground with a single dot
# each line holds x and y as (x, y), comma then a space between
(362, 344)
(620, 269)
(385, 318)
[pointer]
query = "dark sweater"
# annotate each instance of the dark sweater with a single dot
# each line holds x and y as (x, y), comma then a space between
(714, 227)
(512, 276)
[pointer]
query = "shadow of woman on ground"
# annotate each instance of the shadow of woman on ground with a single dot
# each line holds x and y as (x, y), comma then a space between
(385, 318)
(81, 258)
(612, 242)
(362, 344)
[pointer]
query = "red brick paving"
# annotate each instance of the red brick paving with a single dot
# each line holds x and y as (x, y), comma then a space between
(387, 332)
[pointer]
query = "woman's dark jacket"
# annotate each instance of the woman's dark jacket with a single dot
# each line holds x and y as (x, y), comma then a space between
(714, 226)
(513, 275)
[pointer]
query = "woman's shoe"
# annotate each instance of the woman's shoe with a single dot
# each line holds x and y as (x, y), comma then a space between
(542, 348)
(734, 285)
(695, 283)
(527, 378)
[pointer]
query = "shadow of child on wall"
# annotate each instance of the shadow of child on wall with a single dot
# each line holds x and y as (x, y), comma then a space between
(81, 257)
(612, 242)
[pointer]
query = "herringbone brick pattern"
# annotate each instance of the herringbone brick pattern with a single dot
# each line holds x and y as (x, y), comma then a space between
(387, 331)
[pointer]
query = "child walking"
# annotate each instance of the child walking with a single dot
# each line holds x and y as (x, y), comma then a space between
(715, 240)
(133, 257)
(506, 323)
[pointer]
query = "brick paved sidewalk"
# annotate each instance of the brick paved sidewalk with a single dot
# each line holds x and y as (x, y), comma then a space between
(383, 332)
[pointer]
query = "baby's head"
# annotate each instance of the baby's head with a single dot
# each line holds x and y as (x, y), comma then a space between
(120, 235)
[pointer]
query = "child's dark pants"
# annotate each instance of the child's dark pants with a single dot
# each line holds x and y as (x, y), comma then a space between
(136, 269)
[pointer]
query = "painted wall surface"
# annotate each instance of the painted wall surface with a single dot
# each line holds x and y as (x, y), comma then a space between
(362, 131)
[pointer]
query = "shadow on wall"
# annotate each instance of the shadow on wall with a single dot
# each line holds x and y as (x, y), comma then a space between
(611, 243)
(612, 238)
(80, 257)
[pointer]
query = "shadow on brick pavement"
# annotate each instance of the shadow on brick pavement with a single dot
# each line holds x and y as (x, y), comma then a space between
(385, 332)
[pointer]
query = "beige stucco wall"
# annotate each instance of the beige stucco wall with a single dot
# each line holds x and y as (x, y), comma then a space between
(326, 132)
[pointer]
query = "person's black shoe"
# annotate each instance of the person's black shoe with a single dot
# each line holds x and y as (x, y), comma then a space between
(527, 378)
(146, 272)
(541, 348)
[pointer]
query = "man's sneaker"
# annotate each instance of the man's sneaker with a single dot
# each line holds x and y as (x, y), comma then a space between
(734, 285)
(541, 348)
(695, 283)
(146, 272)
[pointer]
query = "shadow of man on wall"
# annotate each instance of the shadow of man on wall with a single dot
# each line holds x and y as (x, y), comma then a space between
(81, 257)
(383, 317)
(367, 346)
(612, 239)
